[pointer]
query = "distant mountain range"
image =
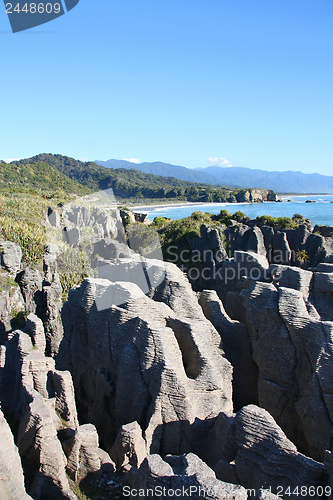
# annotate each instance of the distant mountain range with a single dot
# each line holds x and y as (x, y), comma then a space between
(238, 177)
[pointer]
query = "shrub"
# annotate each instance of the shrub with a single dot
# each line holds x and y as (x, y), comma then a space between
(30, 237)
(240, 216)
(224, 216)
(281, 222)
(302, 257)
(160, 221)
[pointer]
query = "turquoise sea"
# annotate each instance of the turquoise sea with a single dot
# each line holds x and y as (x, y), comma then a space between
(320, 212)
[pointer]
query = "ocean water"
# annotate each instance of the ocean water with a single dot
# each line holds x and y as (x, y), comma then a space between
(320, 212)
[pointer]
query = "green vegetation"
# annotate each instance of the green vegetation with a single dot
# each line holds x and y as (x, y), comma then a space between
(282, 222)
(302, 257)
(131, 185)
(21, 216)
(22, 221)
(37, 177)
(73, 268)
(178, 232)
(7, 283)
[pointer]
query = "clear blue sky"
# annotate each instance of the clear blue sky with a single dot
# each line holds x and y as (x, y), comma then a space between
(180, 81)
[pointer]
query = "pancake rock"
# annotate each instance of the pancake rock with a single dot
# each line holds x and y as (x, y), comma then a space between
(155, 360)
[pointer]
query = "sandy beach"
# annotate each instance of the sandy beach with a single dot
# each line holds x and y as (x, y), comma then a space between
(171, 205)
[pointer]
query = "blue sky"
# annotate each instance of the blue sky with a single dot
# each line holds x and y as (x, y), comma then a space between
(194, 83)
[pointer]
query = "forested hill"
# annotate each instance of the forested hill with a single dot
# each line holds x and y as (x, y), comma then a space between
(68, 174)
(38, 176)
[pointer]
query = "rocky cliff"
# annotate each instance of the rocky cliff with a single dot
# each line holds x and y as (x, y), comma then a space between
(255, 196)
(221, 390)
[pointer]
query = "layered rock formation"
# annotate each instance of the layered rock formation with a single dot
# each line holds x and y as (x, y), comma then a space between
(160, 359)
(50, 441)
(11, 474)
(255, 195)
(157, 362)
(286, 345)
(220, 392)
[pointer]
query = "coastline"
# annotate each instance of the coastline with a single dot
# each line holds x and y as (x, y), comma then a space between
(194, 204)
(284, 199)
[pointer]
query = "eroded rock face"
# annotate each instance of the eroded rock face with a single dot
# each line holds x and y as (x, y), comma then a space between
(237, 347)
(154, 360)
(42, 399)
(186, 474)
(292, 350)
(281, 246)
(31, 285)
(152, 368)
(10, 256)
(42, 297)
(11, 307)
(282, 328)
(129, 448)
(267, 459)
(11, 473)
(83, 451)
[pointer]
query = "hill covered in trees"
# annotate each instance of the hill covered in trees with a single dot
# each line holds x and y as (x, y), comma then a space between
(37, 176)
(74, 176)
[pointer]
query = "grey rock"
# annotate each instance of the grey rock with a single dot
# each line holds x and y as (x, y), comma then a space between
(291, 349)
(36, 394)
(267, 459)
(266, 495)
(187, 475)
(65, 398)
(281, 248)
(319, 249)
(51, 315)
(226, 472)
(268, 234)
(237, 347)
(34, 327)
(80, 216)
(220, 441)
(325, 231)
(107, 465)
(71, 236)
(38, 444)
(250, 239)
(53, 217)
(154, 471)
(324, 268)
(142, 364)
(323, 294)
(111, 224)
(11, 473)
(293, 277)
(209, 245)
(5, 315)
(10, 256)
(84, 456)
(31, 284)
(111, 249)
(50, 262)
(129, 447)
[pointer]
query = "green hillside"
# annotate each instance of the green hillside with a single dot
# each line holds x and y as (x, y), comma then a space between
(37, 176)
(133, 184)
